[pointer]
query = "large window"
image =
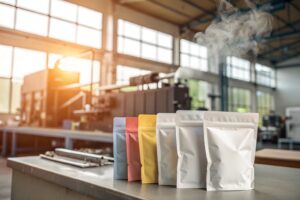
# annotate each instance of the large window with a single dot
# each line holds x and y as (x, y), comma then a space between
(265, 103)
(238, 68)
(27, 61)
(193, 55)
(7, 16)
(88, 73)
(32, 22)
(15, 63)
(265, 75)
(5, 61)
(124, 73)
(4, 95)
(68, 22)
(198, 91)
(239, 100)
(41, 6)
(139, 41)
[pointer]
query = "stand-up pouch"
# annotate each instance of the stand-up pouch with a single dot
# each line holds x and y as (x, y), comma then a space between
(147, 143)
(230, 141)
(132, 149)
(191, 166)
(119, 146)
(166, 148)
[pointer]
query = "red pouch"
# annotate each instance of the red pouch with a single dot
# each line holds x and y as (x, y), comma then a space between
(132, 149)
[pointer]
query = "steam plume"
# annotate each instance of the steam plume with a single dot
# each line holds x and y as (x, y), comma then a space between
(235, 32)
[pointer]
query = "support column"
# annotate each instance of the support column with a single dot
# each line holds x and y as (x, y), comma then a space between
(14, 144)
(254, 103)
(223, 84)
(109, 38)
(4, 143)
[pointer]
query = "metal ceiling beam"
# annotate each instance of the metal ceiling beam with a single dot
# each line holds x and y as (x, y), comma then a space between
(169, 8)
(199, 19)
(271, 6)
(281, 35)
(208, 12)
(285, 26)
(287, 66)
(130, 1)
(291, 44)
(284, 58)
(281, 56)
(295, 6)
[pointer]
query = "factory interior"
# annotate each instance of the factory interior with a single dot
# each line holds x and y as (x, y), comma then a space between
(71, 72)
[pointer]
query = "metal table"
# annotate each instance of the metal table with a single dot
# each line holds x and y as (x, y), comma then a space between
(34, 178)
(68, 135)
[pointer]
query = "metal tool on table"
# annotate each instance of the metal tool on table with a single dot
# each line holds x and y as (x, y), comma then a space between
(77, 158)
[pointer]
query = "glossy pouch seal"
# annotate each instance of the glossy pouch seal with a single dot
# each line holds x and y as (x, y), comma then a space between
(147, 144)
(132, 149)
(230, 141)
(166, 148)
(191, 165)
(119, 146)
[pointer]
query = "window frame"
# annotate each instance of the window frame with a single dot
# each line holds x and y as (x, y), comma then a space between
(270, 77)
(190, 56)
(235, 101)
(77, 23)
(121, 37)
(242, 70)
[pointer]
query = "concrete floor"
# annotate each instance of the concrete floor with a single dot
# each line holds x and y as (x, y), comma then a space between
(5, 180)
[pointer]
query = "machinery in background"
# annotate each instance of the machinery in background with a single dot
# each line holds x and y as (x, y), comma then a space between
(283, 130)
(54, 97)
(292, 128)
(41, 104)
(271, 129)
(146, 98)
(293, 123)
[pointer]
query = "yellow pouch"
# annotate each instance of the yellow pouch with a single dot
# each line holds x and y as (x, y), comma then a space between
(147, 144)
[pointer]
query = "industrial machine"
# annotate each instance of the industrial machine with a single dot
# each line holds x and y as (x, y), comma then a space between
(41, 102)
(271, 127)
(53, 97)
(114, 101)
(293, 123)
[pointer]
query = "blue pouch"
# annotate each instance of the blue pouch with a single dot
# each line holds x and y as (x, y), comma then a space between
(119, 143)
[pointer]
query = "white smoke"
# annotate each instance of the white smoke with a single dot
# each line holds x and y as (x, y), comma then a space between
(235, 32)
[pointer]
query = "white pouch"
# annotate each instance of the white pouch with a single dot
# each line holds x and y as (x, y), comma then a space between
(166, 148)
(191, 165)
(230, 141)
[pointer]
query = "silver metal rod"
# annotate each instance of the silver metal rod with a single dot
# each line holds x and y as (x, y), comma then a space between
(69, 162)
(82, 155)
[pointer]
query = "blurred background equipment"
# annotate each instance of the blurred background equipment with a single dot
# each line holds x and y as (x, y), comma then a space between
(41, 103)
(67, 67)
(59, 102)
(293, 123)
(292, 128)
(271, 127)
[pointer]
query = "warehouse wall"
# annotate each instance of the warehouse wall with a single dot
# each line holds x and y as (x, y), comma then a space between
(288, 91)
(108, 56)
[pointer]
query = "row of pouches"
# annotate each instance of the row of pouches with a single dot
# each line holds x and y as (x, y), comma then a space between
(135, 148)
(219, 156)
